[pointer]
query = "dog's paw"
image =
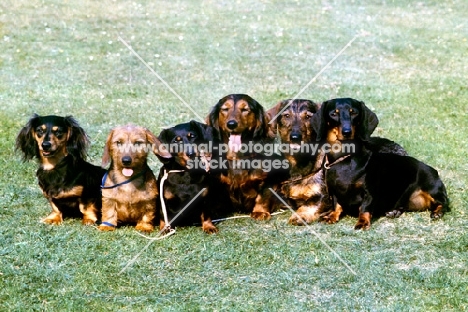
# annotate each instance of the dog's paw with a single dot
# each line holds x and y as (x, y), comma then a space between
(87, 221)
(393, 214)
(304, 215)
(260, 215)
(106, 228)
(331, 218)
(437, 213)
(144, 227)
(364, 221)
(210, 229)
(53, 219)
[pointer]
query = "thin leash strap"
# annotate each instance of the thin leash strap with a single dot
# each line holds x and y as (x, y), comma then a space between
(104, 178)
(327, 164)
(161, 196)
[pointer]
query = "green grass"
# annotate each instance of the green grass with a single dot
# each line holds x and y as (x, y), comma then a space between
(65, 57)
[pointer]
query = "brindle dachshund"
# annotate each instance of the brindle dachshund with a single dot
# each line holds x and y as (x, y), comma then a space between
(70, 184)
(368, 183)
(241, 121)
(186, 180)
(129, 188)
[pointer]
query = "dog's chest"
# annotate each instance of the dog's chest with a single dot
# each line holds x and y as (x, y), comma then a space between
(345, 181)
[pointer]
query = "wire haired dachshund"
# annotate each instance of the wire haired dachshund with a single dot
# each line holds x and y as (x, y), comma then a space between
(129, 188)
(186, 180)
(70, 184)
(241, 121)
(367, 183)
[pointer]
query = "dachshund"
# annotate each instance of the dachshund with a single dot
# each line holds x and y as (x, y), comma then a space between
(70, 184)
(242, 122)
(129, 188)
(305, 189)
(369, 183)
(186, 179)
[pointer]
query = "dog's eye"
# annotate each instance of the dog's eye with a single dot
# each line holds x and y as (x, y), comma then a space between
(178, 139)
(118, 143)
(224, 109)
(191, 135)
(58, 133)
(353, 112)
(39, 131)
(244, 110)
(286, 115)
(307, 117)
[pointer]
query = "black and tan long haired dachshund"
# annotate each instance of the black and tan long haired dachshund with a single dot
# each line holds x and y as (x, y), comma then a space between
(241, 121)
(70, 184)
(367, 183)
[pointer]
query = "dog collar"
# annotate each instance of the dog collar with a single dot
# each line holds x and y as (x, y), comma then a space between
(104, 178)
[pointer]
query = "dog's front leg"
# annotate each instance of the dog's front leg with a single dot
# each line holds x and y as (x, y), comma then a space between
(89, 213)
(145, 224)
(261, 210)
(56, 215)
(365, 214)
(109, 215)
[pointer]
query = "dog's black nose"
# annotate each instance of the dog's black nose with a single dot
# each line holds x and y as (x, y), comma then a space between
(126, 160)
(346, 132)
(295, 137)
(46, 145)
(232, 124)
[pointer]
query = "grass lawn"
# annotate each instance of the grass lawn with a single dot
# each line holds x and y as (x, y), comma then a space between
(408, 63)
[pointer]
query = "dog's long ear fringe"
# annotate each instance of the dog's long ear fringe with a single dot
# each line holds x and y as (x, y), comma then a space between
(261, 128)
(25, 141)
(368, 122)
(213, 116)
(78, 141)
(318, 122)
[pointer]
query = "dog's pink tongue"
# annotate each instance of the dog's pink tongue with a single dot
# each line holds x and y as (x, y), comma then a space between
(127, 172)
(235, 142)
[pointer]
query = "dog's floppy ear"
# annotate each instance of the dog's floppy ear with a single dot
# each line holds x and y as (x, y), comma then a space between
(367, 123)
(25, 140)
(261, 127)
(312, 106)
(318, 121)
(78, 141)
(159, 149)
(106, 154)
(213, 116)
(273, 118)
(206, 132)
